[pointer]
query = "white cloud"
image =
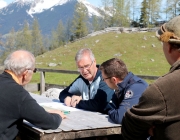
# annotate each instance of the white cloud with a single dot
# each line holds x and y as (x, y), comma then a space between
(2, 4)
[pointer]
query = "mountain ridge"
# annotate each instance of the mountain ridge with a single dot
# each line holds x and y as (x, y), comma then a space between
(16, 13)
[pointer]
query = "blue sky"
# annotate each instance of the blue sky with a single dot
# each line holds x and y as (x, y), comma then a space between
(94, 2)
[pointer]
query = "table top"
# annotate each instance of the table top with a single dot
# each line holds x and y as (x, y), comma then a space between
(79, 123)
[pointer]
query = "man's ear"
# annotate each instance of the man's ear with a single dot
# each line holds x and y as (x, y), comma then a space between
(24, 74)
(114, 80)
(94, 60)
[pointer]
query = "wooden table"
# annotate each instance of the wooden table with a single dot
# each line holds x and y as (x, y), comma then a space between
(78, 124)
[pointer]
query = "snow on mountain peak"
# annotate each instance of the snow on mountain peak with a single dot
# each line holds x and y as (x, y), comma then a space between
(92, 10)
(39, 6)
(2, 4)
(22, 1)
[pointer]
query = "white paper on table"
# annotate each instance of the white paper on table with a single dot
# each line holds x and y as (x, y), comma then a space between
(58, 105)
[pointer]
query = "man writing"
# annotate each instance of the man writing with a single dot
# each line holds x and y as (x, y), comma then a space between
(16, 103)
(88, 91)
(157, 112)
(128, 87)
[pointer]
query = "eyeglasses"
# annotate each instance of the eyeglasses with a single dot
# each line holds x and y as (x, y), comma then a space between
(106, 78)
(34, 70)
(85, 67)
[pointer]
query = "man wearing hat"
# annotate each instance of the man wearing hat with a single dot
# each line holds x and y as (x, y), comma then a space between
(158, 112)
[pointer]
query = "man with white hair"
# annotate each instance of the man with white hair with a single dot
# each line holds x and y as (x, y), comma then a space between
(88, 91)
(16, 102)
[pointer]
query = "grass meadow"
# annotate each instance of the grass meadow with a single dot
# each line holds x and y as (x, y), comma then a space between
(142, 53)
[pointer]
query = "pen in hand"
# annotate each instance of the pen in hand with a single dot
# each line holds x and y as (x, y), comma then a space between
(75, 100)
(74, 103)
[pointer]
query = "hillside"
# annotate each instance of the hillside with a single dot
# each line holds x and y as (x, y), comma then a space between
(142, 53)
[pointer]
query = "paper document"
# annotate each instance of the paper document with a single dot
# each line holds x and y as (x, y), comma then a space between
(58, 106)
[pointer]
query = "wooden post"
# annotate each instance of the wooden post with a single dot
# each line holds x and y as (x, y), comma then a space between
(42, 82)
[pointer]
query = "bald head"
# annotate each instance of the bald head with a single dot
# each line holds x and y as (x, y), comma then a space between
(18, 61)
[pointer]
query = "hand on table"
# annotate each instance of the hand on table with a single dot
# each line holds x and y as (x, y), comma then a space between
(58, 112)
(67, 101)
(75, 100)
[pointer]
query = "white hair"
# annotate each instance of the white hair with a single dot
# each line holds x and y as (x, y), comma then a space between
(18, 64)
(81, 52)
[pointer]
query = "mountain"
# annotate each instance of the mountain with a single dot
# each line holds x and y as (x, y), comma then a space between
(48, 13)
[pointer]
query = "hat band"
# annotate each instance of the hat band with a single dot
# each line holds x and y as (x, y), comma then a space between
(166, 36)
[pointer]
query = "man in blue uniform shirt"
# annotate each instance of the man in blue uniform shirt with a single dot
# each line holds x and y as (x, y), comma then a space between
(128, 87)
(88, 91)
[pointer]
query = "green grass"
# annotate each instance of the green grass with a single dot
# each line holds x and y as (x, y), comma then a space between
(138, 59)
(55, 78)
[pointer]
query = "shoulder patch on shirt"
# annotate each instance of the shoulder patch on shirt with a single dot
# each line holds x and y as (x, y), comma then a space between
(128, 94)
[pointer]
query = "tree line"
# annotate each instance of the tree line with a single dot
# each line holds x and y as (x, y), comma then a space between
(148, 14)
(114, 13)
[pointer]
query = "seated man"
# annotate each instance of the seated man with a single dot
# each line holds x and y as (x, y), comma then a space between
(88, 91)
(16, 102)
(128, 87)
(157, 113)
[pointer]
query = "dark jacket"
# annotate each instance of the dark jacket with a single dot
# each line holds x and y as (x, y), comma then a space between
(95, 96)
(16, 105)
(159, 106)
(130, 90)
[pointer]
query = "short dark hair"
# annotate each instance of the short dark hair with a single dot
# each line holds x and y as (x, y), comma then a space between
(114, 67)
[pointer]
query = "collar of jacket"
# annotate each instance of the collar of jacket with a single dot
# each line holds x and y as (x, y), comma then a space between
(13, 76)
(98, 73)
(124, 83)
(175, 66)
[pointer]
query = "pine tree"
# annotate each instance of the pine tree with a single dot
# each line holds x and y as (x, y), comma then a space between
(154, 10)
(37, 43)
(24, 38)
(79, 27)
(144, 14)
(54, 40)
(107, 20)
(11, 41)
(121, 12)
(95, 23)
(60, 34)
(9, 45)
(27, 37)
(68, 30)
